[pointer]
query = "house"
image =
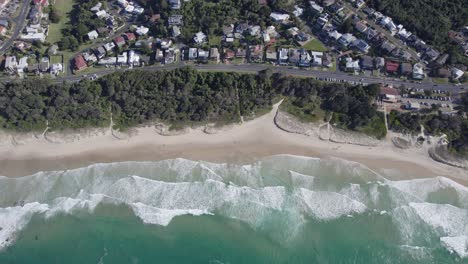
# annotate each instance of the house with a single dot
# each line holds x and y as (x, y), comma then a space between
(199, 38)
(96, 8)
(367, 63)
(278, 17)
(389, 94)
(352, 65)
(283, 56)
(418, 72)
(3, 30)
(256, 53)
(368, 11)
(334, 35)
(165, 44)
(10, 63)
(431, 54)
(169, 56)
(442, 59)
(412, 106)
(406, 68)
(359, 3)
(304, 58)
(327, 61)
(154, 18)
(370, 33)
(228, 54)
(294, 56)
(336, 8)
(109, 46)
(176, 20)
(192, 54)
(361, 45)
(133, 58)
(360, 26)
(108, 61)
(119, 41)
(175, 31)
(93, 35)
(141, 30)
(159, 55)
(266, 38)
(457, 73)
(443, 73)
(317, 9)
(392, 67)
(101, 14)
(37, 36)
(255, 31)
(89, 57)
(122, 59)
(175, 4)
(346, 39)
(4, 22)
(387, 47)
(271, 54)
(203, 55)
(379, 62)
(241, 53)
(79, 63)
(129, 36)
(122, 3)
(56, 68)
(317, 57)
(214, 54)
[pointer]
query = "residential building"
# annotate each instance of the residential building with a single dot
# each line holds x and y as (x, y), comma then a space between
(406, 68)
(304, 58)
(294, 56)
(241, 53)
(392, 67)
(367, 63)
(159, 55)
(56, 68)
(203, 55)
(256, 53)
(93, 35)
(10, 63)
(176, 20)
(283, 56)
(346, 39)
(3, 30)
(214, 54)
(317, 57)
(175, 4)
(389, 94)
(141, 30)
(109, 46)
(122, 59)
(192, 54)
(418, 72)
(431, 54)
(279, 17)
(457, 73)
(443, 73)
(175, 31)
(387, 47)
(169, 56)
(317, 9)
(119, 41)
(199, 38)
(79, 63)
(361, 45)
(133, 58)
(271, 55)
(352, 65)
(108, 61)
(379, 62)
(129, 36)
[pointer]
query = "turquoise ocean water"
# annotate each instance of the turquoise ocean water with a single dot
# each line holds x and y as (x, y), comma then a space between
(282, 209)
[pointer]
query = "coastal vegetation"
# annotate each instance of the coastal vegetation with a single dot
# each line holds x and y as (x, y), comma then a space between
(454, 126)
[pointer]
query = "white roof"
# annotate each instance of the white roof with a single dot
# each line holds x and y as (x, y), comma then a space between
(101, 13)
(141, 30)
(279, 16)
(93, 34)
(23, 63)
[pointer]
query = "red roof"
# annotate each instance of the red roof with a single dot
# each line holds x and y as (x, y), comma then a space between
(79, 63)
(119, 40)
(389, 91)
(130, 36)
(391, 66)
(229, 54)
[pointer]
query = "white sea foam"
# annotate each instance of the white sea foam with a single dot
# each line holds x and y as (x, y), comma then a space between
(458, 244)
(285, 188)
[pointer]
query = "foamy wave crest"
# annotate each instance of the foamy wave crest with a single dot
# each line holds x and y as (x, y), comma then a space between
(280, 193)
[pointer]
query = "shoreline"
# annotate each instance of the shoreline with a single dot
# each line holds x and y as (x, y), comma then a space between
(242, 143)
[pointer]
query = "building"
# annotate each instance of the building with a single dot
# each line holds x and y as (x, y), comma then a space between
(214, 54)
(278, 17)
(133, 58)
(169, 56)
(457, 73)
(100, 52)
(412, 106)
(361, 45)
(199, 38)
(387, 47)
(271, 55)
(418, 72)
(241, 53)
(175, 31)
(406, 68)
(367, 63)
(203, 55)
(108, 61)
(379, 62)
(119, 41)
(317, 57)
(352, 65)
(3, 30)
(294, 56)
(141, 30)
(346, 39)
(10, 63)
(176, 20)
(392, 67)
(389, 94)
(317, 9)
(192, 54)
(256, 53)
(175, 4)
(122, 59)
(79, 63)
(443, 73)
(93, 35)
(109, 46)
(283, 56)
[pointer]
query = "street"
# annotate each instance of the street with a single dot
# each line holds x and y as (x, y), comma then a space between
(19, 20)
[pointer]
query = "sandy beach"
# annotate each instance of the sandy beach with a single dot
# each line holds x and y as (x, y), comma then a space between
(241, 143)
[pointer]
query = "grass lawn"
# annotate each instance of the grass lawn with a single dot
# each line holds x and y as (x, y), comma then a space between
(315, 45)
(55, 59)
(440, 80)
(55, 30)
(214, 41)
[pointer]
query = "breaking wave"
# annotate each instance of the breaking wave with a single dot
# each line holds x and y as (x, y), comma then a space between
(292, 190)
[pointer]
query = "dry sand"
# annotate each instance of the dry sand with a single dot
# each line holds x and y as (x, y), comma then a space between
(240, 144)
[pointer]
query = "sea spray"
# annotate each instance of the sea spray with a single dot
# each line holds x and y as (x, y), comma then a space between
(296, 206)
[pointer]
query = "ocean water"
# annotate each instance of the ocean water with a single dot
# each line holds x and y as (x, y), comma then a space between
(282, 209)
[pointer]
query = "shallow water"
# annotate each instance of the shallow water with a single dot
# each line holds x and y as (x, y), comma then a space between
(283, 209)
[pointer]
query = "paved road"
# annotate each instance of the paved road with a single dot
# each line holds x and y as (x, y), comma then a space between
(321, 75)
(20, 20)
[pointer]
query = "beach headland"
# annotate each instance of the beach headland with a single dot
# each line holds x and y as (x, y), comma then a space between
(25, 154)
